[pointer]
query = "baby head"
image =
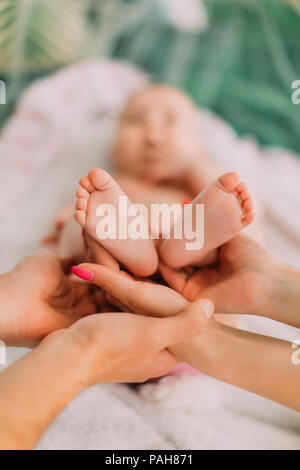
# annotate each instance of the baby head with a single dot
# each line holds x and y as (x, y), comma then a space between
(157, 133)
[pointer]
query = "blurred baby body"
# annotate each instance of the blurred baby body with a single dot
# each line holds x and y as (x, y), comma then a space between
(156, 156)
(158, 142)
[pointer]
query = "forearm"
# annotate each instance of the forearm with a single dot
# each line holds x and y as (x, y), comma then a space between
(283, 300)
(36, 388)
(256, 363)
(7, 305)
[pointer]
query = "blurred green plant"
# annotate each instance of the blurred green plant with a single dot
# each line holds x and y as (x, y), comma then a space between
(36, 37)
(237, 57)
(39, 34)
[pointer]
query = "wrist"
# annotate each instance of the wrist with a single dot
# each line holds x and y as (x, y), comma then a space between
(66, 356)
(206, 352)
(89, 356)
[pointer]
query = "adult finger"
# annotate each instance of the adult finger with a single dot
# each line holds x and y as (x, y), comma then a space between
(191, 286)
(184, 326)
(138, 296)
(175, 279)
(112, 300)
(163, 361)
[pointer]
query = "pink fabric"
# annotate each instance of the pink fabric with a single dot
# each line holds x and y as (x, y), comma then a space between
(183, 369)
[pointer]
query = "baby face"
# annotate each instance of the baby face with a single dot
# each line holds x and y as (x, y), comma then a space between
(157, 134)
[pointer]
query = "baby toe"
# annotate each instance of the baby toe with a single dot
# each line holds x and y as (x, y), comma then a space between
(248, 218)
(100, 178)
(229, 181)
(241, 188)
(86, 184)
(81, 204)
(244, 196)
(248, 205)
(81, 192)
(80, 217)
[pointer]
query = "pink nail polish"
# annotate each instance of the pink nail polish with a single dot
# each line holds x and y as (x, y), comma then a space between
(82, 273)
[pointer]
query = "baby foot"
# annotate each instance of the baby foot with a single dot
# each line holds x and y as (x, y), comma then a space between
(139, 256)
(228, 208)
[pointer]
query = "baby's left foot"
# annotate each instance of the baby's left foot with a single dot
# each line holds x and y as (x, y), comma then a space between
(228, 208)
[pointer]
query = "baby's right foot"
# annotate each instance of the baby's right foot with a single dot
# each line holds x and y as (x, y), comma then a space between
(228, 208)
(138, 256)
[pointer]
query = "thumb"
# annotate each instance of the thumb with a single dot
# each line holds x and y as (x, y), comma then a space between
(188, 324)
(203, 307)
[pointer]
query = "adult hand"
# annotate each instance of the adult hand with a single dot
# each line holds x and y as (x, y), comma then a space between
(138, 296)
(246, 280)
(100, 348)
(239, 283)
(235, 356)
(132, 294)
(37, 297)
(125, 347)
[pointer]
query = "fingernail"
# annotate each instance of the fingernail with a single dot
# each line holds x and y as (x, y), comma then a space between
(82, 273)
(208, 308)
(188, 201)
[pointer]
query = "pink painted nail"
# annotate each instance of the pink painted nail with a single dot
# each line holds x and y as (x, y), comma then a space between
(82, 273)
(188, 201)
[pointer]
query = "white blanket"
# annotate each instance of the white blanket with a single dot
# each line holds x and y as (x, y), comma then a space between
(63, 127)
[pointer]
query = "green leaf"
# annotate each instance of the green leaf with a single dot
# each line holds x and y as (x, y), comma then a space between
(40, 34)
